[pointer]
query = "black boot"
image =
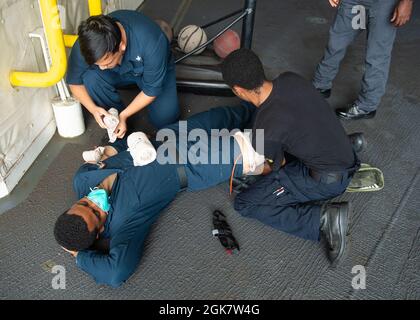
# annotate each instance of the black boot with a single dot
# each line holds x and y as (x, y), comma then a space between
(334, 225)
(326, 93)
(358, 141)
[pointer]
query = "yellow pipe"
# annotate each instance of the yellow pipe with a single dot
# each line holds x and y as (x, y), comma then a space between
(54, 34)
(95, 7)
(69, 40)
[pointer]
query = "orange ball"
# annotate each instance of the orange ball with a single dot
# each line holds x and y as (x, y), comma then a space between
(228, 42)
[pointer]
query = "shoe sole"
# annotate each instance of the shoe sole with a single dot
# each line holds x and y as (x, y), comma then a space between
(344, 227)
(367, 116)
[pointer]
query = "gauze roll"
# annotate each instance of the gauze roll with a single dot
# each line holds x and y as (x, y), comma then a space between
(141, 149)
(252, 161)
(111, 122)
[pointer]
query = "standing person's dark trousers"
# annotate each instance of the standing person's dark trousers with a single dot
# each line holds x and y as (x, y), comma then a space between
(283, 198)
(380, 34)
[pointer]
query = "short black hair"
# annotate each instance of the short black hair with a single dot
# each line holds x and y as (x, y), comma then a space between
(243, 68)
(72, 233)
(98, 35)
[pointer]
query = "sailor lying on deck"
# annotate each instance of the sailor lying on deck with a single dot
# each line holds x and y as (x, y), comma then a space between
(119, 201)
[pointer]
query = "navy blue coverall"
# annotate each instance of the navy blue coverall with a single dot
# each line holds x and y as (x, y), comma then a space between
(140, 193)
(147, 63)
(287, 199)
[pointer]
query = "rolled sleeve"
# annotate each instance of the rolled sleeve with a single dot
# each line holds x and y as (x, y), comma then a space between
(155, 68)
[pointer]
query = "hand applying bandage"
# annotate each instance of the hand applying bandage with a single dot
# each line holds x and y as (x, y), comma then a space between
(111, 122)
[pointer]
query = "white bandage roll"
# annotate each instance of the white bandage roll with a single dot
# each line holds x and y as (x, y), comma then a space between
(68, 117)
(141, 149)
(111, 122)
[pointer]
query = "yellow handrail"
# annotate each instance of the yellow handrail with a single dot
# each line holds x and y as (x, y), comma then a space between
(95, 8)
(56, 44)
(54, 34)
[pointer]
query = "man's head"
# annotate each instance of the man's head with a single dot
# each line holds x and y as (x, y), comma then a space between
(243, 72)
(78, 228)
(101, 41)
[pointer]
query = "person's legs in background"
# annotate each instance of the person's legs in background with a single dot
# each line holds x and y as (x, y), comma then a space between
(380, 40)
(341, 35)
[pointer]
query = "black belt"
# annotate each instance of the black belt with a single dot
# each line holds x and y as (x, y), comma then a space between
(332, 177)
(182, 174)
(329, 177)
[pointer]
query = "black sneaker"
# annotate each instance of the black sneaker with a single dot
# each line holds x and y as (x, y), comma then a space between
(353, 112)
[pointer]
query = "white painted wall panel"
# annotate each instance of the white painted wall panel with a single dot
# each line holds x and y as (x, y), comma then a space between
(24, 112)
(26, 116)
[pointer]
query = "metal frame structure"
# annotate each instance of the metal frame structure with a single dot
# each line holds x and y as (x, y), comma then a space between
(208, 86)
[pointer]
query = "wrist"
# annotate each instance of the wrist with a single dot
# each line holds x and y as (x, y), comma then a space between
(123, 116)
(92, 108)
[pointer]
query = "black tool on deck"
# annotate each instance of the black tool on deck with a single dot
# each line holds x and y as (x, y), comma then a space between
(223, 231)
